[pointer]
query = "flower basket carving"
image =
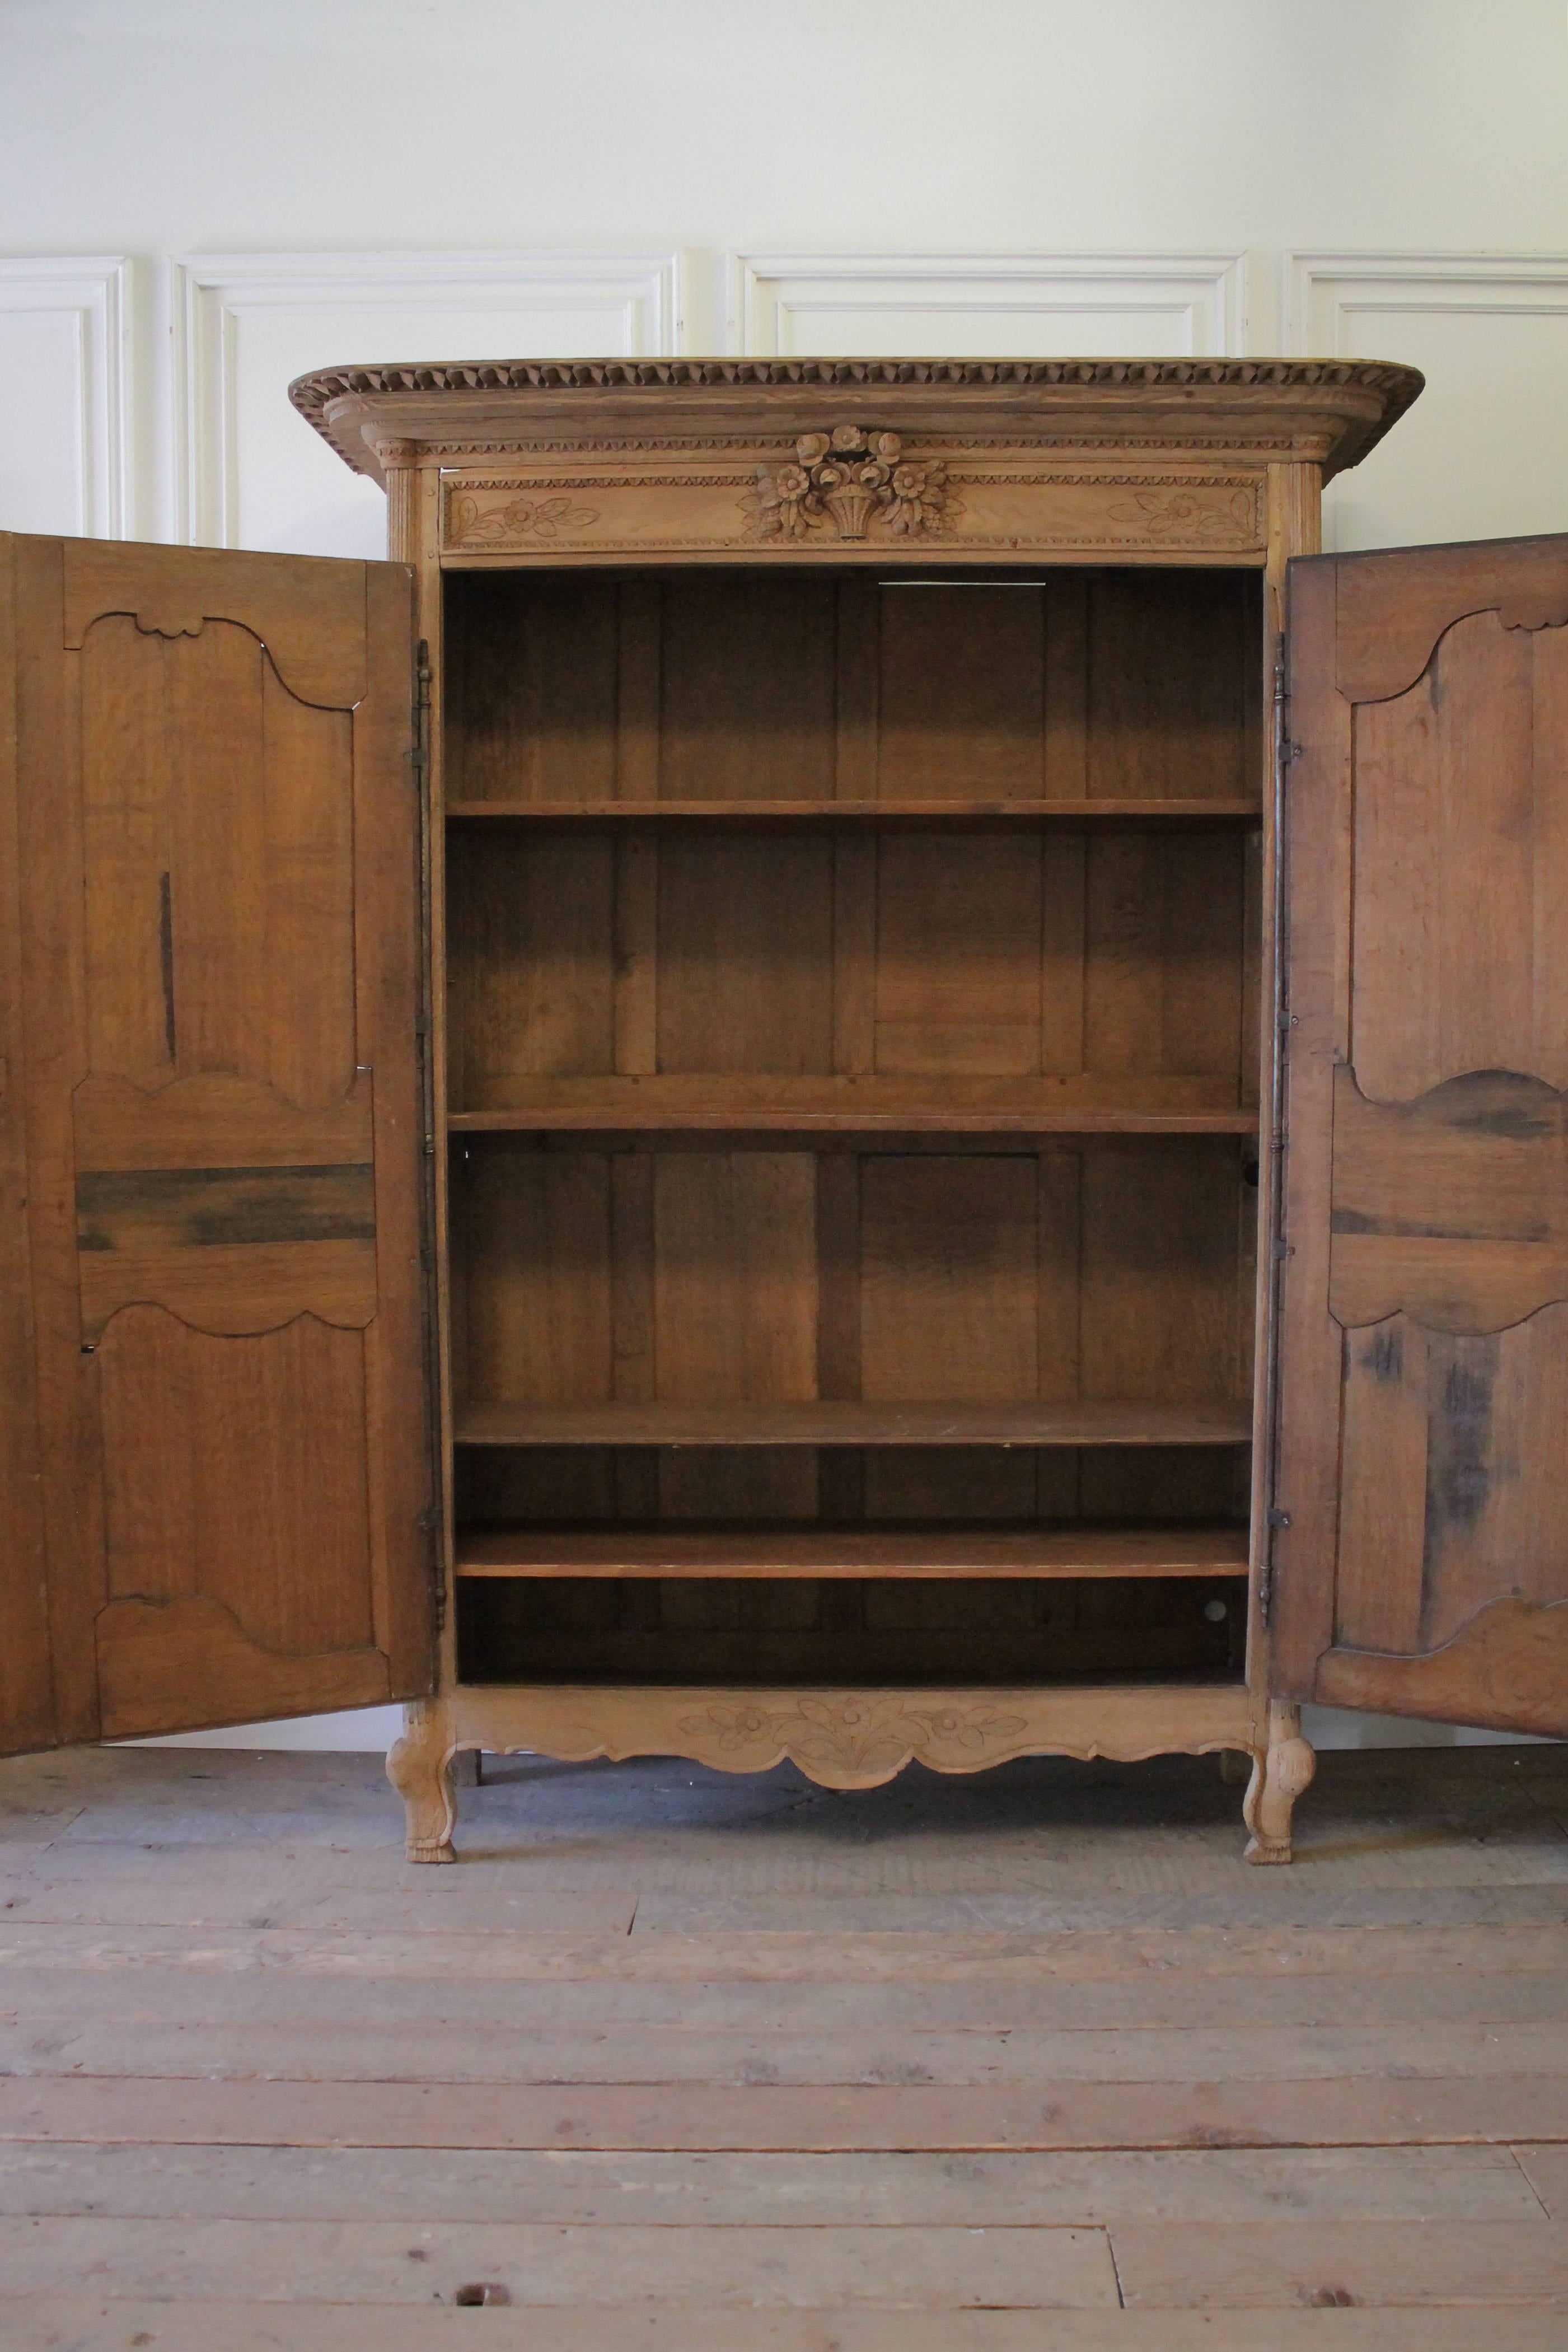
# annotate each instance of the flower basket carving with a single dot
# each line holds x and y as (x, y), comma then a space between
(849, 481)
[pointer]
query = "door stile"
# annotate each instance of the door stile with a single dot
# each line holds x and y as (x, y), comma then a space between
(1295, 527)
(50, 841)
(414, 537)
(390, 973)
(1306, 1471)
(26, 1692)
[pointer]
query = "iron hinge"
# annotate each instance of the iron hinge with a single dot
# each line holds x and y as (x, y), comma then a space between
(1289, 751)
(429, 1524)
(1265, 1590)
(420, 755)
(1278, 1519)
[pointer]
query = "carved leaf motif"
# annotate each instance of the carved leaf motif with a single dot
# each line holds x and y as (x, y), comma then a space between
(520, 518)
(1183, 514)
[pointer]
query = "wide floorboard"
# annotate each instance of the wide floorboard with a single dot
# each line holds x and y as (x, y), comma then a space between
(886, 2072)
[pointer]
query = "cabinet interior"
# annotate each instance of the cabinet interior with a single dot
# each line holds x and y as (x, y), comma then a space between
(853, 1111)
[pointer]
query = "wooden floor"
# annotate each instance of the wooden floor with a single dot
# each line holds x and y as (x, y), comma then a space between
(690, 2064)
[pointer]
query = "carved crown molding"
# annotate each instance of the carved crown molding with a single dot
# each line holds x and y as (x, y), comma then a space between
(1340, 407)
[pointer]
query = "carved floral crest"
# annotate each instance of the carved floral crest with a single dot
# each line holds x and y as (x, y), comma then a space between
(850, 478)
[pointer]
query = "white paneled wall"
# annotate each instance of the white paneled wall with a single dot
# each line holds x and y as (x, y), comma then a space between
(64, 456)
(987, 306)
(1020, 177)
(247, 473)
(1484, 452)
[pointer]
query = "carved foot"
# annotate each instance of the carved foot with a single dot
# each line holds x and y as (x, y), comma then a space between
(1278, 1776)
(417, 1769)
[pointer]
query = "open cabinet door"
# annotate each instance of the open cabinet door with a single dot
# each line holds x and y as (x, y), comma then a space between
(1422, 1458)
(215, 1465)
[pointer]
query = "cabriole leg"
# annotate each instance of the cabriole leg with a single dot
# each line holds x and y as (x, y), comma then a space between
(417, 1769)
(1278, 1776)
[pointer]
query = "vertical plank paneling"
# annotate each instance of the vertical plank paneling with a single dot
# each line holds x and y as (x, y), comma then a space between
(1159, 1270)
(1064, 877)
(859, 668)
(949, 1280)
(840, 1468)
(746, 953)
(635, 951)
(1067, 686)
(641, 610)
(963, 692)
(735, 1276)
(1058, 1277)
(959, 924)
(748, 699)
(635, 1365)
(539, 1271)
(1167, 685)
(531, 966)
(856, 858)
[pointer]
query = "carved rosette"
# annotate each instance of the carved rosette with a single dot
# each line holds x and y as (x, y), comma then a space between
(849, 481)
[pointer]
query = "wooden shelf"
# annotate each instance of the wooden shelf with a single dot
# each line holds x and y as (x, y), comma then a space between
(857, 1552)
(898, 1106)
(902, 811)
(1217, 1423)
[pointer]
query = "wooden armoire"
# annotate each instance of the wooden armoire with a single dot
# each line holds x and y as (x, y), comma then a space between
(858, 1070)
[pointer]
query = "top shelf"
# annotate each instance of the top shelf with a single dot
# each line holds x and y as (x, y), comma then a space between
(1064, 813)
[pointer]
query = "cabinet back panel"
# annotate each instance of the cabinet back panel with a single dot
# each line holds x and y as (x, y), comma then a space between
(962, 677)
(1109, 1269)
(958, 953)
(744, 962)
(1171, 683)
(948, 1306)
(532, 676)
(882, 1633)
(905, 954)
(747, 703)
(1137, 683)
(530, 961)
(849, 1485)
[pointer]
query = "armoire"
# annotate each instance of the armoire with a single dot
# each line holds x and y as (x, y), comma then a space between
(857, 1070)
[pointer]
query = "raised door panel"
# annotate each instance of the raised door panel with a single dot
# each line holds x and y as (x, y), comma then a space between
(1424, 1332)
(219, 999)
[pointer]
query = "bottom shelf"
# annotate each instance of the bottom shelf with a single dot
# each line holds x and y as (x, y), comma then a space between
(831, 1553)
(756, 1632)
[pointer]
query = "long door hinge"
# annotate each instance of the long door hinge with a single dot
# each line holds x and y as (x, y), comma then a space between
(430, 1526)
(420, 756)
